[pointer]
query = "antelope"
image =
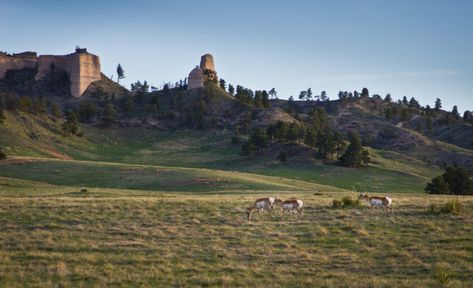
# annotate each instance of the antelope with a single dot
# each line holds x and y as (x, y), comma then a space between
(375, 201)
(261, 204)
(291, 205)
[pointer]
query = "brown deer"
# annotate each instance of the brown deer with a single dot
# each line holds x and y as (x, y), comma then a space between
(261, 204)
(375, 201)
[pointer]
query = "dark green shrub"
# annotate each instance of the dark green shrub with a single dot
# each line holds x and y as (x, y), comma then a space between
(345, 202)
(2, 155)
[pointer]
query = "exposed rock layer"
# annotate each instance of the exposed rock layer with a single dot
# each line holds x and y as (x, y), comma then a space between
(83, 68)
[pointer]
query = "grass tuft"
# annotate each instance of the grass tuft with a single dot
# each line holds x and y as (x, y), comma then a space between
(345, 202)
(454, 206)
(443, 278)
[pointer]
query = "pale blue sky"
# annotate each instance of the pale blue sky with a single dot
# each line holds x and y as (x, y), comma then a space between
(420, 48)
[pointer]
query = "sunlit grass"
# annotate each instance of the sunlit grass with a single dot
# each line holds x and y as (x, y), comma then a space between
(58, 235)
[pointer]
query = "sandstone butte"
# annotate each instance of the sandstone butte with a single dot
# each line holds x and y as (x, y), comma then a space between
(196, 76)
(83, 68)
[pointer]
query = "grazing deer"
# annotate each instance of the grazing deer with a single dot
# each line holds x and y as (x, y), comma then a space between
(291, 205)
(375, 201)
(261, 204)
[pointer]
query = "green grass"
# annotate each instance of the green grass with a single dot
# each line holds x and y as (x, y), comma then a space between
(389, 172)
(57, 236)
(145, 177)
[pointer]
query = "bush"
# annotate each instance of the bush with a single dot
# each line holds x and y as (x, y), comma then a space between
(2, 155)
(345, 202)
(454, 206)
(455, 180)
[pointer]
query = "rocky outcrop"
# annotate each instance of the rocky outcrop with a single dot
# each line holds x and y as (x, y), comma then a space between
(83, 68)
(208, 67)
(207, 63)
(17, 62)
(204, 72)
(196, 79)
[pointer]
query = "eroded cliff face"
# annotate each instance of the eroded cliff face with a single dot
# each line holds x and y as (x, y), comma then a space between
(17, 62)
(204, 72)
(83, 68)
(196, 79)
(207, 63)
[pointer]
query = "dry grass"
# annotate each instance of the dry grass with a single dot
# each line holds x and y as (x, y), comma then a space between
(54, 235)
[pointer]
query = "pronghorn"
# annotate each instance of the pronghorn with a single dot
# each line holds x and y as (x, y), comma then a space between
(291, 205)
(375, 201)
(263, 204)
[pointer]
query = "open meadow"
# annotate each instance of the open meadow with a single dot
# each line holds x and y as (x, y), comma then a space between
(130, 228)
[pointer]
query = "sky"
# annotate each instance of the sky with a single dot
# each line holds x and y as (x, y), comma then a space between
(413, 48)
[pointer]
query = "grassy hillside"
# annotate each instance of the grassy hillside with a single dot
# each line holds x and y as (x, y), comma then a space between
(58, 236)
(26, 135)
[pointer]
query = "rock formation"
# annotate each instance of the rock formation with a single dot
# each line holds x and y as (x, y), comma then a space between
(196, 79)
(17, 62)
(207, 63)
(83, 68)
(204, 72)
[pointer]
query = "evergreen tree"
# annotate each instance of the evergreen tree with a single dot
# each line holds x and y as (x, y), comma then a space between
(467, 115)
(438, 104)
(127, 106)
(231, 89)
(388, 98)
(265, 99)
(87, 111)
(71, 125)
(309, 94)
(364, 93)
(273, 93)
(388, 113)
(259, 140)
(455, 180)
(455, 113)
(258, 101)
(323, 96)
(282, 156)
(303, 95)
(120, 73)
(108, 114)
(353, 156)
(247, 148)
(223, 84)
(404, 101)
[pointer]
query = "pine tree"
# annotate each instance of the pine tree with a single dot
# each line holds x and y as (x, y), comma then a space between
(223, 84)
(265, 100)
(71, 125)
(127, 106)
(353, 156)
(231, 89)
(247, 148)
(120, 73)
(109, 114)
(438, 104)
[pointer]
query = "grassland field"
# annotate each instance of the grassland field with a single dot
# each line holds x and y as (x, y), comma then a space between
(167, 209)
